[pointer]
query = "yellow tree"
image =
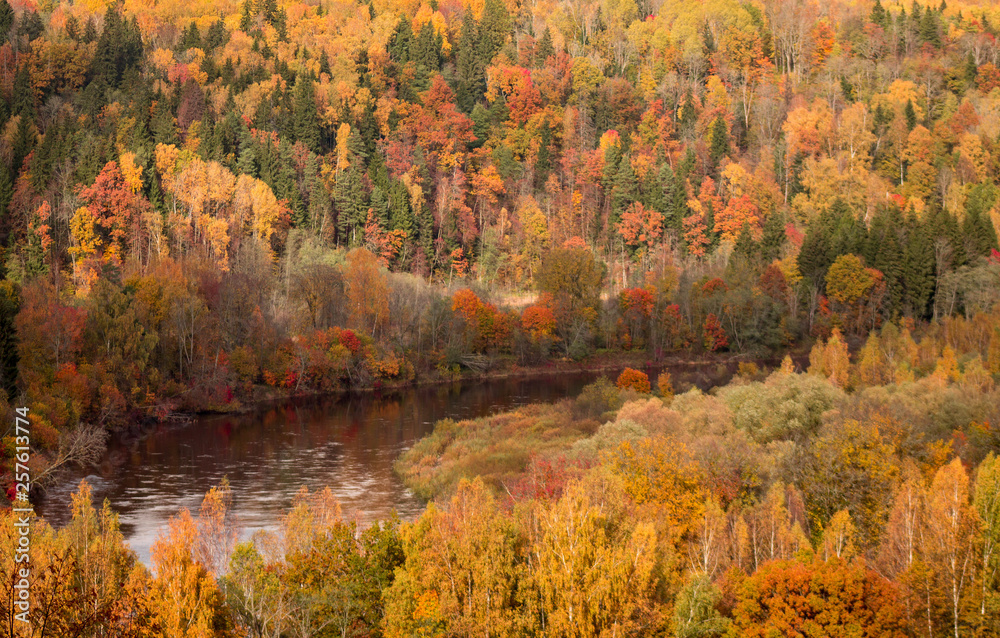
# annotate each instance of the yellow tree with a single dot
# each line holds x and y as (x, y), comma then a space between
(464, 560)
(592, 569)
(184, 597)
(950, 528)
(986, 501)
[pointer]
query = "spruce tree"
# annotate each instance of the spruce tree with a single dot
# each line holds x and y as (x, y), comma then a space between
(494, 27)
(918, 270)
(977, 226)
(773, 238)
(814, 259)
(720, 141)
(23, 97)
(911, 115)
(9, 305)
(878, 15)
(470, 77)
(6, 19)
(624, 191)
(191, 38)
(929, 31)
(305, 116)
(544, 49)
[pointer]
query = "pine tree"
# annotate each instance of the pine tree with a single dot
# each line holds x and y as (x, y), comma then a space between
(426, 54)
(688, 115)
(746, 250)
(216, 36)
(889, 260)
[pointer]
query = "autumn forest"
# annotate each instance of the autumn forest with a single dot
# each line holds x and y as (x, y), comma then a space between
(209, 204)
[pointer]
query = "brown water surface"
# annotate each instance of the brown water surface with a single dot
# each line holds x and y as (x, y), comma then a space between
(347, 442)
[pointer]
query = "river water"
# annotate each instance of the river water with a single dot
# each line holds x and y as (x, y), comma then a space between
(347, 442)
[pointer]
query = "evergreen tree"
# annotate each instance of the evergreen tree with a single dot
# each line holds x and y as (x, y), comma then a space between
(400, 212)
(814, 256)
(324, 63)
(624, 191)
(426, 54)
(89, 31)
(720, 141)
(163, 124)
(494, 28)
(542, 163)
(9, 306)
(481, 125)
(22, 144)
(30, 26)
(746, 251)
(929, 30)
(191, 38)
(774, 237)
(6, 19)
(878, 15)
(918, 270)
(470, 77)
(544, 48)
(23, 95)
(305, 116)
(349, 196)
(72, 26)
(688, 115)
(401, 41)
(911, 115)
(885, 254)
(216, 36)
(977, 228)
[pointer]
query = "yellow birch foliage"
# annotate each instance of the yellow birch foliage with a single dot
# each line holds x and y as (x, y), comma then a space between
(593, 570)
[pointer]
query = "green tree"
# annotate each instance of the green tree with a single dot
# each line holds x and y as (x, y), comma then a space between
(306, 119)
(720, 141)
(10, 304)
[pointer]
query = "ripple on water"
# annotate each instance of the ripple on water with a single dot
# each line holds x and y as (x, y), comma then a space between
(348, 444)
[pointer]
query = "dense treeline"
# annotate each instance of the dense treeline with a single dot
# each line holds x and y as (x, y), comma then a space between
(197, 205)
(206, 203)
(859, 499)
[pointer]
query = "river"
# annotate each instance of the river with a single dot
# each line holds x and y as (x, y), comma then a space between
(348, 443)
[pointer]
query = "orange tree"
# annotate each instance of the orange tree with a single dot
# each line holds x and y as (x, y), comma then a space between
(633, 379)
(832, 598)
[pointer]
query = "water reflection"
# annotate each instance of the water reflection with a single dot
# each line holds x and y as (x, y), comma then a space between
(348, 443)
